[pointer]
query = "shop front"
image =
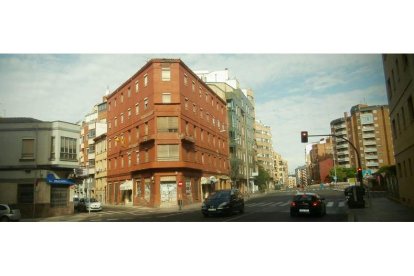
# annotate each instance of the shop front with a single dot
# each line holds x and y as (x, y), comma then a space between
(126, 192)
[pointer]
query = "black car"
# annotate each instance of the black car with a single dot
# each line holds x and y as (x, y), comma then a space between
(223, 202)
(307, 204)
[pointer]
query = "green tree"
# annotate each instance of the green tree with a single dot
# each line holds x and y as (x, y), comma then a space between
(234, 169)
(342, 173)
(262, 179)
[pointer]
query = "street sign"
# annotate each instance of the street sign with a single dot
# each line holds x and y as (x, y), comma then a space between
(180, 183)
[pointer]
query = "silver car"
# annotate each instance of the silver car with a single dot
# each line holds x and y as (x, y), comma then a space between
(9, 213)
(86, 204)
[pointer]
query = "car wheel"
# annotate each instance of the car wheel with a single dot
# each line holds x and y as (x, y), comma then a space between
(4, 219)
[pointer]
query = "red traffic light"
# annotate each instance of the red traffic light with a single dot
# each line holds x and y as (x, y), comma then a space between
(304, 136)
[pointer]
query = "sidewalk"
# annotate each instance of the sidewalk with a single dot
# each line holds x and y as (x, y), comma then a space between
(381, 209)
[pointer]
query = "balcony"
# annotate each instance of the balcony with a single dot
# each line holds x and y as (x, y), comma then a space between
(370, 143)
(146, 139)
(342, 146)
(366, 150)
(368, 128)
(368, 135)
(371, 157)
(345, 159)
(372, 164)
(187, 138)
(341, 132)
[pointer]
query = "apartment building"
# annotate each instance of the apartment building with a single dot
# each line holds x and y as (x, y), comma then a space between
(399, 78)
(263, 136)
(281, 170)
(94, 125)
(36, 165)
(241, 117)
(321, 158)
(167, 137)
(101, 167)
(368, 129)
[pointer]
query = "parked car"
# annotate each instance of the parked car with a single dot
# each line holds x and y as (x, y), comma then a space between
(307, 204)
(223, 202)
(9, 213)
(86, 204)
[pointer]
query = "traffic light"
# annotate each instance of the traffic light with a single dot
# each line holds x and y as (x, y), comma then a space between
(359, 173)
(304, 136)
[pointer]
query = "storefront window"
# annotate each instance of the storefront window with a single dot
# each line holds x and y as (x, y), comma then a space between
(58, 196)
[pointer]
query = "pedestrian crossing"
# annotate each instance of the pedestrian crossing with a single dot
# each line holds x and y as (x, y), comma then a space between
(329, 204)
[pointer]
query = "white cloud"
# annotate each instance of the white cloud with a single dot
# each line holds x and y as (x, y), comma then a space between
(289, 116)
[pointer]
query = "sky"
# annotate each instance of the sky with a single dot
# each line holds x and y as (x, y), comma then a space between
(293, 92)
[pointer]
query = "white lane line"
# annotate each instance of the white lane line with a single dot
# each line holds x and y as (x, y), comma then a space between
(284, 204)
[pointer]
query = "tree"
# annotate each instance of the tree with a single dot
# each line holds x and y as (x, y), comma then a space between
(234, 169)
(342, 173)
(262, 179)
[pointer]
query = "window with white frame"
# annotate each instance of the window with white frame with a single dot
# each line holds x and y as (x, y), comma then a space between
(166, 98)
(136, 86)
(28, 148)
(145, 103)
(167, 153)
(68, 149)
(167, 124)
(165, 74)
(146, 80)
(136, 108)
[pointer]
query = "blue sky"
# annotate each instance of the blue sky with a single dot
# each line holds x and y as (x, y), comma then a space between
(293, 92)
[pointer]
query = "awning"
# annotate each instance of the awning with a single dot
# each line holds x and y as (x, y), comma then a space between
(127, 185)
(52, 180)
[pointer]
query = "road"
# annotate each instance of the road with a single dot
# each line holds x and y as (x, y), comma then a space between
(272, 207)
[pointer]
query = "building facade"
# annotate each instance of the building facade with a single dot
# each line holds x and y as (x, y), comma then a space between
(368, 129)
(94, 125)
(281, 170)
(167, 138)
(399, 78)
(241, 117)
(321, 158)
(101, 168)
(265, 158)
(37, 161)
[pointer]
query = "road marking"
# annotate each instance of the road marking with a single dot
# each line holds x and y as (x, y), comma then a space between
(284, 204)
(330, 204)
(112, 219)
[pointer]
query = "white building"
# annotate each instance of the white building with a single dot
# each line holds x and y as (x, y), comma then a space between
(36, 165)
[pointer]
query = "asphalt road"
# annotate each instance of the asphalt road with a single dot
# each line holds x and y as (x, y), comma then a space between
(272, 207)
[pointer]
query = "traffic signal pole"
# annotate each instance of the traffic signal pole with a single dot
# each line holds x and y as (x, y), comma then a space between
(359, 169)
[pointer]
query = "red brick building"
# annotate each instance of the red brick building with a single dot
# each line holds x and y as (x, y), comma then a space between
(167, 137)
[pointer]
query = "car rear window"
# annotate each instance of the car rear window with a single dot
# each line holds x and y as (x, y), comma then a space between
(304, 197)
(220, 194)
